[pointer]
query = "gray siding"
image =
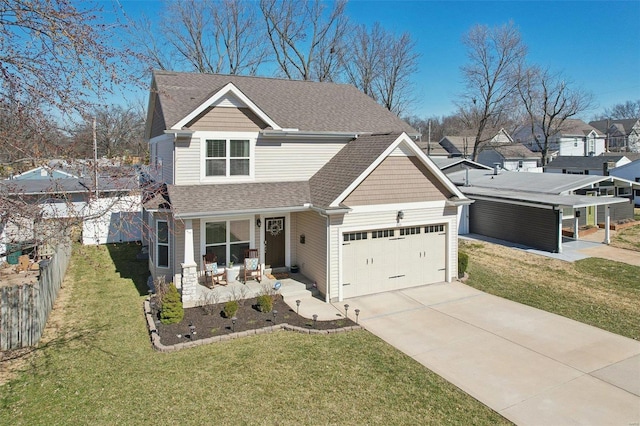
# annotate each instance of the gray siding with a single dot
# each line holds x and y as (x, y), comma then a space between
(164, 150)
(293, 159)
(188, 162)
(530, 226)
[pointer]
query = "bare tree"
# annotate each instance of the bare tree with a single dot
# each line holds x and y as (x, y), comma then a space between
(119, 132)
(491, 78)
(302, 35)
(208, 37)
(58, 60)
(57, 53)
(626, 110)
(380, 64)
(361, 59)
(549, 101)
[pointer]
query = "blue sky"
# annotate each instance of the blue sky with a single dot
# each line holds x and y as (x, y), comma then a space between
(596, 44)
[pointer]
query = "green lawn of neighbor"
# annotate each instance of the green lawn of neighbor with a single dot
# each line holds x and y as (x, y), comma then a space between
(599, 292)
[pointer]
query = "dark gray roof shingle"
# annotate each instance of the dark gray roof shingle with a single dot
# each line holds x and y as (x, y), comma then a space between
(303, 105)
(575, 162)
(202, 199)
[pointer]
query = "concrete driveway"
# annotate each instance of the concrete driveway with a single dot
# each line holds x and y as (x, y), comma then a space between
(533, 367)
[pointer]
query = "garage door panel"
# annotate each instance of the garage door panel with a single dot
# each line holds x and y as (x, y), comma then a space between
(386, 260)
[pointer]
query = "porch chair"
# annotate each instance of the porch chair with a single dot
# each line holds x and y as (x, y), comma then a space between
(252, 266)
(211, 269)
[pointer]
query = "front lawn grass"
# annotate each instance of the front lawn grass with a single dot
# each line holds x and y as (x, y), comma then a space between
(98, 368)
(599, 292)
(627, 238)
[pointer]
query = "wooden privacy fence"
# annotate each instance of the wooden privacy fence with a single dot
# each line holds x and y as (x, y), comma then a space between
(24, 309)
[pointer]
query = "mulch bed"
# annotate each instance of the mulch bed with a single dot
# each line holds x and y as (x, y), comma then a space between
(209, 321)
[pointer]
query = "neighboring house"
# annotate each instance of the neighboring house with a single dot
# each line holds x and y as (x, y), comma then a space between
(513, 157)
(462, 146)
(621, 135)
(532, 208)
(316, 175)
(110, 214)
(575, 138)
(433, 149)
(600, 165)
(630, 171)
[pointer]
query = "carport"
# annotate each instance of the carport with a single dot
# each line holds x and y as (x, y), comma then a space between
(533, 219)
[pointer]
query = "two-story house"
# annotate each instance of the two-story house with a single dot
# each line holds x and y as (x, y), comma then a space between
(621, 135)
(575, 138)
(316, 175)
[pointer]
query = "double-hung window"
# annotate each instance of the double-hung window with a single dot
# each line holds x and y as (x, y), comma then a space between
(162, 244)
(228, 240)
(227, 157)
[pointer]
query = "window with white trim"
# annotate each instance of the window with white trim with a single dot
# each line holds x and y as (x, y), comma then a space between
(162, 244)
(227, 157)
(228, 240)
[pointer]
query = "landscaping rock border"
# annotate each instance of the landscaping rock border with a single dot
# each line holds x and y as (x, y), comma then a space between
(157, 344)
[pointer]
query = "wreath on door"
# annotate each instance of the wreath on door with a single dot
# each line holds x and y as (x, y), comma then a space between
(274, 226)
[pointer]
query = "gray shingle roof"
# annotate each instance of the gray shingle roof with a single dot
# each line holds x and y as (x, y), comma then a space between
(575, 162)
(575, 127)
(517, 150)
(195, 200)
(623, 126)
(303, 105)
(345, 167)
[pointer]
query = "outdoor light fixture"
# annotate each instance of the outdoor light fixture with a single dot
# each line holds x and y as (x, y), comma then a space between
(233, 324)
(302, 239)
(258, 222)
(192, 331)
(400, 215)
(315, 318)
(275, 314)
(297, 307)
(357, 313)
(346, 311)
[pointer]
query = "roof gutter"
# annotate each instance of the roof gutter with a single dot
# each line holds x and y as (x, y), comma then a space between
(243, 212)
(180, 135)
(307, 134)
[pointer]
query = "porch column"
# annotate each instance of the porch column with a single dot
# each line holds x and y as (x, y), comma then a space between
(189, 267)
(560, 230)
(576, 226)
(607, 223)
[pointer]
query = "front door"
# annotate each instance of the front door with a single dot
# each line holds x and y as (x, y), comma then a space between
(274, 242)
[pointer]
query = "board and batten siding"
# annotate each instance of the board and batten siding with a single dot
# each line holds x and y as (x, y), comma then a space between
(293, 159)
(531, 226)
(398, 179)
(222, 119)
(188, 162)
(387, 220)
(311, 256)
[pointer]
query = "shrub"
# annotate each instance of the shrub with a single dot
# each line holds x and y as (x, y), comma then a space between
(265, 303)
(230, 308)
(463, 262)
(172, 310)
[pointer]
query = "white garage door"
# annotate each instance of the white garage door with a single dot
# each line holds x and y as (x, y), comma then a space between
(391, 259)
